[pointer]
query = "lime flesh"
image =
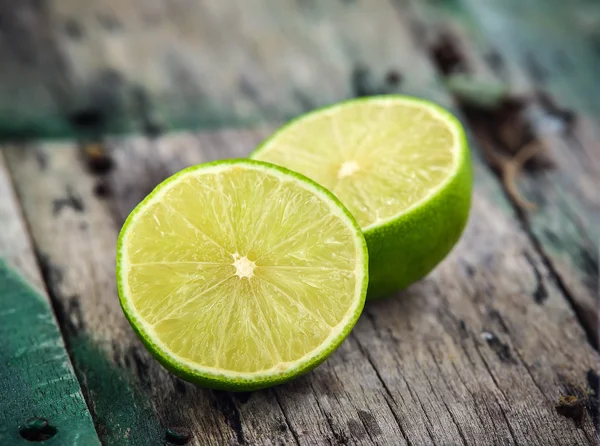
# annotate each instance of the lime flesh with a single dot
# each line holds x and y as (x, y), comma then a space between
(239, 274)
(400, 165)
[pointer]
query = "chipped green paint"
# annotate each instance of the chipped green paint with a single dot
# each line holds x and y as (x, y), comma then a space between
(37, 382)
(36, 379)
(123, 413)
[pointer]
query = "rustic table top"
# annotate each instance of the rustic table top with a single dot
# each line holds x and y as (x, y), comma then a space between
(499, 345)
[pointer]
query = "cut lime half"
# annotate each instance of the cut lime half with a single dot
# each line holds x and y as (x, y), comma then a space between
(401, 166)
(240, 274)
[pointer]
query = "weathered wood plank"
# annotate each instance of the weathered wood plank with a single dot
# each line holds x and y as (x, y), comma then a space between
(467, 356)
(36, 377)
(130, 65)
(558, 111)
(80, 242)
(359, 412)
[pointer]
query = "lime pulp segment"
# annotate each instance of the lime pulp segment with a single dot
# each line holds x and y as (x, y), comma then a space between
(379, 157)
(241, 270)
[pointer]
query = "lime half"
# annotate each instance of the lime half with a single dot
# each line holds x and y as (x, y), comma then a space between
(400, 165)
(240, 274)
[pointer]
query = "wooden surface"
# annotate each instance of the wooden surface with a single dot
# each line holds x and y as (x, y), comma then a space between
(36, 379)
(497, 346)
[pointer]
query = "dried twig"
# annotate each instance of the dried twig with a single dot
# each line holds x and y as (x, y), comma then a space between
(510, 167)
(514, 166)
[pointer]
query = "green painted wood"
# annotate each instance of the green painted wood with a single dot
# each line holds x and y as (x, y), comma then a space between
(122, 413)
(36, 377)
(40, 397)
(466, 353)
(555, 42)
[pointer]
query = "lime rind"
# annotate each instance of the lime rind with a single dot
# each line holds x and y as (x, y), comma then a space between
(231, 380)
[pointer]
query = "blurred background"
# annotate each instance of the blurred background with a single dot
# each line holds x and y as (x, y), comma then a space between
(148, 66)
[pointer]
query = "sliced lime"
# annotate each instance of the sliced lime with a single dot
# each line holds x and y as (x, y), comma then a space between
(240, 274)
(401, 165)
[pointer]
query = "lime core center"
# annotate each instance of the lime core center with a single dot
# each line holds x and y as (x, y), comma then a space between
(348, 168)
(243, 266)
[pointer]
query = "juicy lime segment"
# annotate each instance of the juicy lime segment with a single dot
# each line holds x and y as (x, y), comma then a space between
(375, 173)
(400, 165)
(239, 274)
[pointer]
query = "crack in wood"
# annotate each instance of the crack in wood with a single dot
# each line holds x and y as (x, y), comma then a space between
(476, 401)
(286, 418)
(225, 404)
(506, 399)
(367, 355)
(388, 394)
(432, 387)
(540, 294)
(339, 436)
(428, 424)
(590, 331)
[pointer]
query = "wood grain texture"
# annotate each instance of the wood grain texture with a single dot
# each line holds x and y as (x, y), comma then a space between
(559, 109)
(36, 379)
(478, 353)
(87, 263)
(465, 357)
